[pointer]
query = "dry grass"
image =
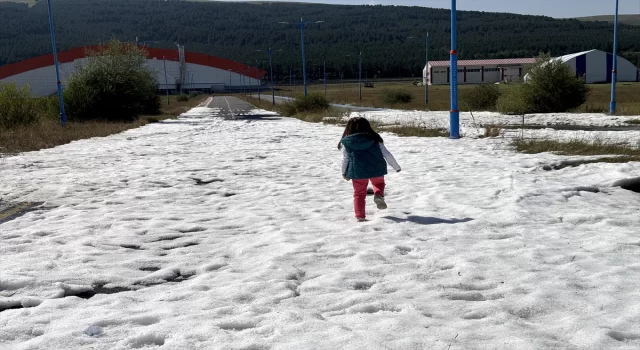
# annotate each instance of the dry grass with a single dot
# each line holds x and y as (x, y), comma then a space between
(416, 130)
(576, 147)
(633, 121)
(598, 101)
(492, 130)
(48, 133)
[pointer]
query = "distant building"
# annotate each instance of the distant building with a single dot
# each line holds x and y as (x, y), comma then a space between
(595, 67)
(185, 71)
(477, 71)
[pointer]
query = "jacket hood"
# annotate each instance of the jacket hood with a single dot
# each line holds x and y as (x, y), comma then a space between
(357, 142)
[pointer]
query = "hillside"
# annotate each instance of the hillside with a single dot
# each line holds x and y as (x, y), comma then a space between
(626, 19)
(238, 30)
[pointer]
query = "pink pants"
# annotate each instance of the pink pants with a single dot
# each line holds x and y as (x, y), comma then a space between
(360, 193)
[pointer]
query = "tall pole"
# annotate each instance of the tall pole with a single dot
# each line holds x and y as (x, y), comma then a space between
(454, 113)
(614, 73)
(273, 92)
(259, 83)
(360, 75)
(63, 115)
(166, 82)
(304, 63)
(427, 76)
(324, 64)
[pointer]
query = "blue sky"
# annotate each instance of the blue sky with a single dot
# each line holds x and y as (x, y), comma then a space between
(552, 8)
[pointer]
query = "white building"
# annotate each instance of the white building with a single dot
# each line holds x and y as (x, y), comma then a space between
(184, 71)
(596, 67)
(477, 71)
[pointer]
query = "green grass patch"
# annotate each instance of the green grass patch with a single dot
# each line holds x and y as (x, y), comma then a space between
(415, 130)
(576, 147)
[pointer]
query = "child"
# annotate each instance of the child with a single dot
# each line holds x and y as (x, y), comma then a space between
(364, 159)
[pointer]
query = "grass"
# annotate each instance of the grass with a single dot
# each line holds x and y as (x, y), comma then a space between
(576, 147)
(339, 116)
(633, 121)
(47, 132)
(598, 101)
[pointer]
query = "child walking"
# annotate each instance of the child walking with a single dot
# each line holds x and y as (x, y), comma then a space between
(364, 159)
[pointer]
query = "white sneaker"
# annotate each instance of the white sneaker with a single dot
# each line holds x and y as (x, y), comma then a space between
(379, 200)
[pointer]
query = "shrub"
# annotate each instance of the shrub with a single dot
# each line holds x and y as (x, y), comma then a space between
(480, 98)
(114, 85)
(312, 102)
(394, 96)
(182, 98)
(17, 106)
(551, 87)
(193, 94)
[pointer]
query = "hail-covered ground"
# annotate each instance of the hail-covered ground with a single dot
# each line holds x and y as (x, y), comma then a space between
(209, 233)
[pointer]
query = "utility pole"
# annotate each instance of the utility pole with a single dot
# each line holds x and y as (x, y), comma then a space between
(63, 115)
(360, 75)
(454, 113)
(166, 82)
(427, 74)
(614, 73)
(324, 64)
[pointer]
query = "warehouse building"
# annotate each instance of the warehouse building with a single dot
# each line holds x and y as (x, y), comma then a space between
(594, 65)
(175, 69)
(477, 71)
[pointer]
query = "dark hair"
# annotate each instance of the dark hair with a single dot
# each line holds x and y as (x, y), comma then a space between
(360, 125)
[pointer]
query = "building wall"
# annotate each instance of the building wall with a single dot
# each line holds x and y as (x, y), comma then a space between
(42, 81)
(477, 74)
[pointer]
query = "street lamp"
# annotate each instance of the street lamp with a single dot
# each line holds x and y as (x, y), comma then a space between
(166, 82)
(614, 73)
(273, 93)
(426, 75)
(454, 113)
(303, 24)
(63, 115)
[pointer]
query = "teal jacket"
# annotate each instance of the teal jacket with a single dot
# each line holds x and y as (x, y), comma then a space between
(365, 157)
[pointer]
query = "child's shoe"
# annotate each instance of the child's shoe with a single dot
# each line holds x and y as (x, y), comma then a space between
(361, 219)
(379, 200)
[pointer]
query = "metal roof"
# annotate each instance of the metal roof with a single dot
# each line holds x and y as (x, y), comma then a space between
(505, 61)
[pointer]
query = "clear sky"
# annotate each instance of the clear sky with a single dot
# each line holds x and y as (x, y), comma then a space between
(552, 8)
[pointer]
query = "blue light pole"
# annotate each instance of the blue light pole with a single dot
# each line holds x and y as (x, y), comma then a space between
(166, 82)
(303, 24)
(63, 115)
(454, 113)
(426, 67)
(614, 73)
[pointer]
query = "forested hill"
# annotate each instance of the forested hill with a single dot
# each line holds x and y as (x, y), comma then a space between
(238, 30)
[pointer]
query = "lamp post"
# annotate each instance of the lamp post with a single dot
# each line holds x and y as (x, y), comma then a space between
(427, 74)
(360, 75)
(614, 73)
(273, 93)
(166, 82)
(454, 113)
(63, 115)
(303, 24)
(324, 64)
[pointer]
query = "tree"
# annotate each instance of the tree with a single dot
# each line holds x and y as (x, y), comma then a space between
(114, 84)
(551, 87)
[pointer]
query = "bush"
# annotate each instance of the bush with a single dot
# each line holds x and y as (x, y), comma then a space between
(551, 87)
(114, 85)
(17, 106)
(193, 94)
(311, 103)
(396, 96)
(182, 98)
(480, 98)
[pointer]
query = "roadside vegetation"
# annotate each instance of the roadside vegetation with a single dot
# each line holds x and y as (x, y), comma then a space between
(112, 92)
(611, 152)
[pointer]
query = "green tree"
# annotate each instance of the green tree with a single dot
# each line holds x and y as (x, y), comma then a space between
(551, 87)
(17, 106)
(113, 84)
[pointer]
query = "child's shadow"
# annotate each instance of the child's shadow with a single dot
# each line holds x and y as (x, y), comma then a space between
(426, 220)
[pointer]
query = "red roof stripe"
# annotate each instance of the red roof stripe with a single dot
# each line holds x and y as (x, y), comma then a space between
(484, 62)
(169, 54)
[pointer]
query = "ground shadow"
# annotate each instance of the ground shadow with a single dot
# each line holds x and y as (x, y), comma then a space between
(266, 117)
(426, 220)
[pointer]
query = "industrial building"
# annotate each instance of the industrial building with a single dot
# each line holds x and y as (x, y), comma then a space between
(477, 71)
(176, 70)
(594, 65)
